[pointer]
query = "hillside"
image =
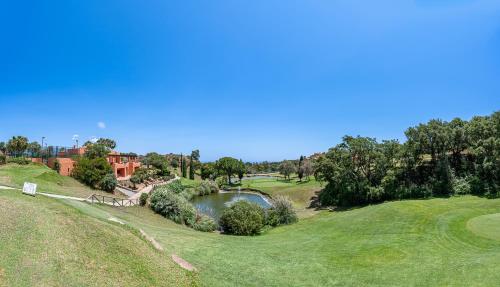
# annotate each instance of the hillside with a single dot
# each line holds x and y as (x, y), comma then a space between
(46, 242)
(419, 242)
(48, 180)
(436, 242)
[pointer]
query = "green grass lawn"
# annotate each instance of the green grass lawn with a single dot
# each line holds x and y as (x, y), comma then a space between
(436, 242)
(416, 242)
(46, 242)
(47, 180)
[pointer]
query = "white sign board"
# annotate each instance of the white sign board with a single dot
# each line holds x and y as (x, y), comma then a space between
(29, 188)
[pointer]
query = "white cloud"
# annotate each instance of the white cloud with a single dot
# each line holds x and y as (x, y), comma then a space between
(93, 139)
(101, 125)
(75, 137)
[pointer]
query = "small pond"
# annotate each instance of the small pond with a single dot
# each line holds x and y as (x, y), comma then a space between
(214, 204)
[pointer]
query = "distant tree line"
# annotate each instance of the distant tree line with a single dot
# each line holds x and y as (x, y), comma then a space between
(262, 167)
(20, 146)
(439, 158)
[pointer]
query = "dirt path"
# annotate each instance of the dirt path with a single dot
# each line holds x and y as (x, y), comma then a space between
(55, 195)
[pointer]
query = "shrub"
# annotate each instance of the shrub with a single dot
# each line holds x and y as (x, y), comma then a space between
(375, 194)
(57, 166)
(173, 206)
(19, 160)
(461, 185)
(282, 212)
(221, 180)
(175, 186)
(204, 223)
(136, 179)
(108, 183)
(189, 193)
(143, 199)
(214, 187)
(207, 187)
(3, 159)
(92, 171)
(203, 189)
(242, 218)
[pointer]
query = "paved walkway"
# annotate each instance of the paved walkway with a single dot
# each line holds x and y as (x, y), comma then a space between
(148, 188)
(56, 195)
(62, 196)
(125, 191)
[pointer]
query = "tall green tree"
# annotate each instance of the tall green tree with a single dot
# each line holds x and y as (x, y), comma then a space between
(195, 155)
(300, 169)
(96, 150)
(34, 149)
(228, 166)
(191, 168)
(183, 167)
(94, 172)
(17, 145)
(208, 171)
(109, 143)
(438, 158)
(458, 142)
(181, 160)
(158, 162)
(174, 163)
(307, 168)
(93, 168)
(241, 170)
(287, 168)
(3, 147)
(194, 163)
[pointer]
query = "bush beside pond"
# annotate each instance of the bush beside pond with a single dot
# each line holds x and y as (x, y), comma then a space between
(242, 218)
(172, 201)
(173, 206)
(207, 187)
(205, 223)
(282, 212)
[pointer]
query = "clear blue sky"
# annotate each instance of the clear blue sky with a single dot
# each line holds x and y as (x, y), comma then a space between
(255, 80)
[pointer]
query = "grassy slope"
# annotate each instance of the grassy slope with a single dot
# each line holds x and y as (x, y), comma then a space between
(45, 242)
(47, 180)
(417, 242)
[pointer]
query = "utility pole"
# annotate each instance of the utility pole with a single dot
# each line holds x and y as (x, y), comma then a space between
(43, 138)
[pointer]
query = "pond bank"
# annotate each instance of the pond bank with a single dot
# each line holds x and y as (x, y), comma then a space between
(215, 203)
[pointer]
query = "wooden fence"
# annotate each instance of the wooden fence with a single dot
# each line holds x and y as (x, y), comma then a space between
(114, 201)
